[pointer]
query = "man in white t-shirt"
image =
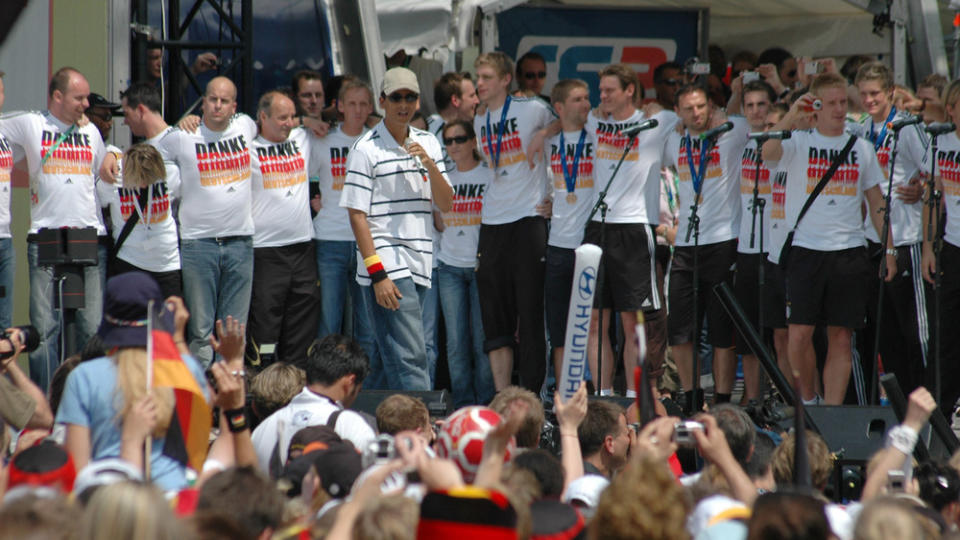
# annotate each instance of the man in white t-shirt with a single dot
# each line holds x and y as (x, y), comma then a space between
(340, 294)
(513, 237)
(904, 334)
(711, 183)
(216, 222)
(335, 367)
(827, 271)
(571, 153)
(7, 258)
(456, 99)
(394, 179)
(62, 160)
(284, 291)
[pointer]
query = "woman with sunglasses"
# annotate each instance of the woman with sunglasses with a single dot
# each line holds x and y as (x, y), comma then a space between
(470, 376)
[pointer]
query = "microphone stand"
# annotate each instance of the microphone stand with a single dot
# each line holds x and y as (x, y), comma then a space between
(757, 206)
(933, 209)
(694, 227)
(881, 272)
(601, 206)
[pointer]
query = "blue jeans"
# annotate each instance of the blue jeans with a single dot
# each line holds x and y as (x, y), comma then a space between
(8, 261)
(400, 337)
(44, 361)
(431, 308)
(470, 376)
(340, 292)
(217, 281)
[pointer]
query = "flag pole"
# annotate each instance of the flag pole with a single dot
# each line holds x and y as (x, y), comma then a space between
(148, 444)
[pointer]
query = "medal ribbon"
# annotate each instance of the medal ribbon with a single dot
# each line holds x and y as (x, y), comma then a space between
(570, 176)
(694, 176)
(878, 139)
(495, 156)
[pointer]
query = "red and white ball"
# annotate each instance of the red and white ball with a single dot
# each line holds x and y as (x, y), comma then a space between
(462, 436)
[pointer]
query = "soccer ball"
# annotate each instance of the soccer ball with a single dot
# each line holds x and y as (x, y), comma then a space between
(461, 438)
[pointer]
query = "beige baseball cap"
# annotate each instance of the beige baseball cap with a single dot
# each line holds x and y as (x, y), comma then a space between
(399, 78)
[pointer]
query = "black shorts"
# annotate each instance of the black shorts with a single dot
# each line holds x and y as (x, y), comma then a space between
(746, 289)
(628, 266)
(828, 287)
(716, 263)
(510, 267)
(774, 296)
(556, 291)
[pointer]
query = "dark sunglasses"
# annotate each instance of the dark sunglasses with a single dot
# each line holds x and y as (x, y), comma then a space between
(105, 116)
(531, 75)
(672, 82)
(397, 97)
(459, 139)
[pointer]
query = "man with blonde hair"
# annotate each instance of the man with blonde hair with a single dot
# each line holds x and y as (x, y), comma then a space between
(513, 237)
(827, 268)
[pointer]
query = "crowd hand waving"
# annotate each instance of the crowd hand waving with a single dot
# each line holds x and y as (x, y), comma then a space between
(495, 445)
(920, 405)
(229, 342)
(571, 414)
(229, 392)
(436, 474)
(656, 439)
(770, 74)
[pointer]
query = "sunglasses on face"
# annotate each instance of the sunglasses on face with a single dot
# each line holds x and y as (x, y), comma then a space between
(531, 75)
(672, 82)
(459, 139)
(397, 97)
(104, 116)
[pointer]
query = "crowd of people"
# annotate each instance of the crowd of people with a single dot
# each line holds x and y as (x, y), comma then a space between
(256, 273)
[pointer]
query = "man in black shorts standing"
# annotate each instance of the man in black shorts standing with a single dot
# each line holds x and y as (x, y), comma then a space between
(716, 178)
(827, 270)
(513, 237)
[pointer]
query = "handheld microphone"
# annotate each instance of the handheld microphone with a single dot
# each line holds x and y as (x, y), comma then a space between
(717, 131)
(642, 126)
(939, 128)
(908, 120)
(416, 159)
(765, 135)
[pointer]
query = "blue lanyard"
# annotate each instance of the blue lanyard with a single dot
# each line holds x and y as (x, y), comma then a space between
(503, 127)
(878, 140)
(571, 177)
(704, 160)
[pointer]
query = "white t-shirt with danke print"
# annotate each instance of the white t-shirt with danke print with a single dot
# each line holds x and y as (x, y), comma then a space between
(719, 209)
(634, 195)
(328, 165)
(905, 219)
(515, 189)
(834, 220)
(215, 172)
(62, 188)
(281, 199)
(781, 216)
(569, 219)
(748, 173)
(6, 170)
(948, 171)
(458, 243)
(153, 243)
(384, 182)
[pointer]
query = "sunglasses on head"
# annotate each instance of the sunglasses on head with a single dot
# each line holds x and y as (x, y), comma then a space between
(459, 139)
(531, 75)
(397, 97)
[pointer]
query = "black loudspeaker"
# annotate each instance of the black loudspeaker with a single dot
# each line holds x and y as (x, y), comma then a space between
(438, 402)
(853, 433)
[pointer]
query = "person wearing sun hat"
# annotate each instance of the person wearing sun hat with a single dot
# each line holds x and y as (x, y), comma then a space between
(395, 177)
(105, 406)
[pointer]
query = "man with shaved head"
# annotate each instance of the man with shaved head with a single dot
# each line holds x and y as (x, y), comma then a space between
(284, 263)
(62, 160)
(216, 220)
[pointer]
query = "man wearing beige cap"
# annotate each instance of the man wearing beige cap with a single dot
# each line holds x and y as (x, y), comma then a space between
(395, 175)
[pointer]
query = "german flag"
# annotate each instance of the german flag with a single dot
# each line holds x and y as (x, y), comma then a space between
(188, 436)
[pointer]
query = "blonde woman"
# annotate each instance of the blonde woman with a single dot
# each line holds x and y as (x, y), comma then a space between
(129, 510)
(106, 407)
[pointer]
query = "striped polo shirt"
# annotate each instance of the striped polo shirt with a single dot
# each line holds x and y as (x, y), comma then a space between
(384, 182)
